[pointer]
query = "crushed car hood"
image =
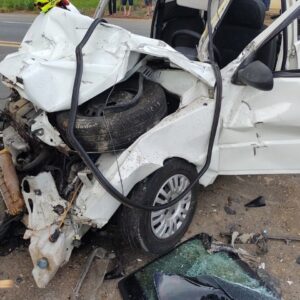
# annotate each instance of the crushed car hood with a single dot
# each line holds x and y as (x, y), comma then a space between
(43, 70)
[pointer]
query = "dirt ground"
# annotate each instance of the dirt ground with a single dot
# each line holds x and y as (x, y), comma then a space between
(279, 216)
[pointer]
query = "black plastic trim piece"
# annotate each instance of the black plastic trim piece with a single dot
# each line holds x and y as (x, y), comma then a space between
(287, 74)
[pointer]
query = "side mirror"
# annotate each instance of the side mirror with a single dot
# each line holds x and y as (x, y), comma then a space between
(257, 75)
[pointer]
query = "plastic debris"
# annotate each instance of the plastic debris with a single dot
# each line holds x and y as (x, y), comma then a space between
(257, 202)
(262, 266)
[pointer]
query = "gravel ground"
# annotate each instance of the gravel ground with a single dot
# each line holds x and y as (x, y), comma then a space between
(280, 216)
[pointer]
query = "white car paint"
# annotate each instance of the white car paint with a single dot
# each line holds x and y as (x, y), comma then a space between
(258, 131)
(46, 60)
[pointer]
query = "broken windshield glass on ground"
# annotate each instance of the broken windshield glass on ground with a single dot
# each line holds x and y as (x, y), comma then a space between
(197, 264)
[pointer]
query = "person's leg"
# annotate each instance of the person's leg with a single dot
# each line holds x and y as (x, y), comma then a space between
(124, 2)
(130, 2)
(267, 4)
(148, 4)
(148, 10)
(153, 5)
(110, 7)
(114, 6)
(150, 7)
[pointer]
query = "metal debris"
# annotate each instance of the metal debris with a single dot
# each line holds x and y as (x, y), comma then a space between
(287, 239)
(93, 280)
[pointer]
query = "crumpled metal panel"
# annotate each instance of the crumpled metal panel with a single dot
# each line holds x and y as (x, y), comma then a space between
(43, 69)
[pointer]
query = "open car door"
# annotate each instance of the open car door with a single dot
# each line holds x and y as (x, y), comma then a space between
(261, 106)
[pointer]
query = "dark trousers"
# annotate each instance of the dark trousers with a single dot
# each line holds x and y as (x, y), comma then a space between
(267, 3)
(112, 6)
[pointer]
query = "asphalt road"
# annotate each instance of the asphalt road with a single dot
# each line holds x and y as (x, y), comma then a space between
(13, 27)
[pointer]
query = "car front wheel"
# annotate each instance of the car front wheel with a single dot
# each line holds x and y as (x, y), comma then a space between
(159, 231)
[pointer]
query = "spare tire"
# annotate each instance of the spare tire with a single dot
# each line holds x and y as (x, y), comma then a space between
(100, 130)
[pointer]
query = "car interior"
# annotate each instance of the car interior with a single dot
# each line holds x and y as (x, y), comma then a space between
(182, 27)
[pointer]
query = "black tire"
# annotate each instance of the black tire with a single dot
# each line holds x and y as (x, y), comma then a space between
(2, 210)
(135, 224)
(117, 130)
(3, 217)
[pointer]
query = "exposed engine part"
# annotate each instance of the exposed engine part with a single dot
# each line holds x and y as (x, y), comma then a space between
(29, 155)
(44, 131)
(72, 170)
(24, 157)
(48, 217)
(14, 143)
(27, 127)
(35, 163)
(26, 150)
(33, 125)
(9, 184)
(22, 111)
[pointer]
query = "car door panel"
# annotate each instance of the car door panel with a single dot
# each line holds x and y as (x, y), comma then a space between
(271, 143)
(261, 129)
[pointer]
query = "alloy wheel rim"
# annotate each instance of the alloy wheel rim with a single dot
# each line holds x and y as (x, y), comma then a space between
(166, 222)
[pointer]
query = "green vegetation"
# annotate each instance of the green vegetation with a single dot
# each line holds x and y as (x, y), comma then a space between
(84, 5)
(88, 5)
(16, 5)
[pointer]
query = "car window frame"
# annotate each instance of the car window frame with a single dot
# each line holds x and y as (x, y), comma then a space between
(276, 31)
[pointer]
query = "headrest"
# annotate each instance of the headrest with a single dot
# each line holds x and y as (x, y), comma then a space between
(247, 13)
(172, 10)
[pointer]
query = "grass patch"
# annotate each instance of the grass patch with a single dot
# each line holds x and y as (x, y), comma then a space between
(16, 4)
(85, 6)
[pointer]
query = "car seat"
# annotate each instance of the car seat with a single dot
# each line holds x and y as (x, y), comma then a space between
(242, 23)
(181, 28)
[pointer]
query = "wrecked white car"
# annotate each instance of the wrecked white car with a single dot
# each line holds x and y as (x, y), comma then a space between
(100, 117)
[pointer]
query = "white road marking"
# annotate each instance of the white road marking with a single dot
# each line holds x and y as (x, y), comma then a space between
(15, 22)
